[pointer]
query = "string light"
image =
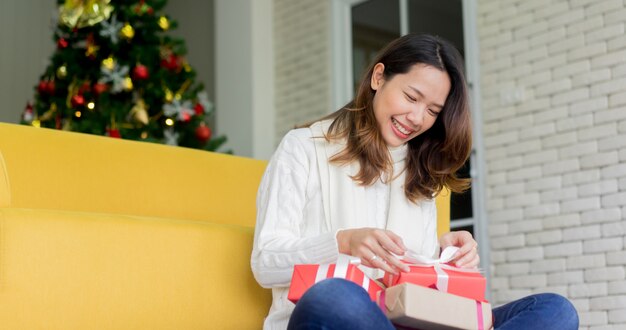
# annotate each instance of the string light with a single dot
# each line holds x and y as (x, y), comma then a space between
(169, 122)
(91, 105)
(78, 114)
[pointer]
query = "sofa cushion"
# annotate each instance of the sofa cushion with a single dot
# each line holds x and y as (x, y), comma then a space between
(62, 270)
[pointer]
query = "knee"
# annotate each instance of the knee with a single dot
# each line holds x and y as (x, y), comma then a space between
(563, 310)
(330, 299)
(335, 290)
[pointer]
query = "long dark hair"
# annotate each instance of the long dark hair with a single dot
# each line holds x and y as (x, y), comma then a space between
(435, 155)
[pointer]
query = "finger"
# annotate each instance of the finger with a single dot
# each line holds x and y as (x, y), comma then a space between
(390, 259)
(470, 263)
(371, 257)
(468, 247)
(380, 263)
(466, 258)
(384, 239)
(397, 239)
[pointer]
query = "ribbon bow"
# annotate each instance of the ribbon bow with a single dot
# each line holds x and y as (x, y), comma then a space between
(414, 259)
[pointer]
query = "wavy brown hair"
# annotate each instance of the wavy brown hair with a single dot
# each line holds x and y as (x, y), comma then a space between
(434, 156)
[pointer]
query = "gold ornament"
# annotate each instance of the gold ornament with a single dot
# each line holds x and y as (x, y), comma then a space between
(139, 112)
(128, 84)
(169, 96)
(186, 67)
(108, 63)
(81, 13)
(48, 114)
(144, 135)
(36, 123)
(127, 31)
(92, 50)
(164, 23)
(62, 72)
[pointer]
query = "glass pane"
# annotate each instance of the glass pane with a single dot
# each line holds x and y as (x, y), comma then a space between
(374, 24)
(442, 18)
(461, 204)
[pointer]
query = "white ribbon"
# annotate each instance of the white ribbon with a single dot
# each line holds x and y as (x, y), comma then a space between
(341, 270)
(447, 255)
(442, 278)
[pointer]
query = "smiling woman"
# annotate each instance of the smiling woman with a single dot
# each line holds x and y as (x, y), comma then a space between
(361, 181)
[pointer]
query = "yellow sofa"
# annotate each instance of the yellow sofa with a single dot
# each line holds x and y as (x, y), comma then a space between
(102, 233)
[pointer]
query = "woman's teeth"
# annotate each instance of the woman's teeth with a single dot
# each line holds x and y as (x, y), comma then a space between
(400, 127)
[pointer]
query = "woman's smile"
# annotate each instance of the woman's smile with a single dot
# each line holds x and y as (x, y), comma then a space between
(401, 131)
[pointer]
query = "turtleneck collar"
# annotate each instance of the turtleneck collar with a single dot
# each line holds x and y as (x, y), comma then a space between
(398, 154)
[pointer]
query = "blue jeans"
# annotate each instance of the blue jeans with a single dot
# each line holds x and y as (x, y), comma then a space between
(340, 304)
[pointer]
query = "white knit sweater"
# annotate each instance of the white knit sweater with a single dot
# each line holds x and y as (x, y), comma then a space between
(291, 224)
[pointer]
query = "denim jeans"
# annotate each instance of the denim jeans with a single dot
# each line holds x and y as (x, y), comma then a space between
(340, 304)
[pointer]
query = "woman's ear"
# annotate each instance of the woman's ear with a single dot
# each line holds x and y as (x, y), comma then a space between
(378, 76)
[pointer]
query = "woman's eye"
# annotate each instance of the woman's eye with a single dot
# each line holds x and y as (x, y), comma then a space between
(410, 98)
(433, 112)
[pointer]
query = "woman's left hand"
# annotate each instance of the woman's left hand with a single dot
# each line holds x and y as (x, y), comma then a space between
(467, 256)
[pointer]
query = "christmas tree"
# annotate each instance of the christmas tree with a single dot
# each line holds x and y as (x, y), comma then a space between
(117, 72)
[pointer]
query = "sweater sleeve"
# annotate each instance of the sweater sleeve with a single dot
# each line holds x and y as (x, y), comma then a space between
(278, 241)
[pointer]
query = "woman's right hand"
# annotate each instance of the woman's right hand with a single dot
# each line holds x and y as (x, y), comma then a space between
(374, 247)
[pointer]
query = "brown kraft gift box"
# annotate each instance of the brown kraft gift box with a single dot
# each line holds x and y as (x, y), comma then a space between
(418, 307)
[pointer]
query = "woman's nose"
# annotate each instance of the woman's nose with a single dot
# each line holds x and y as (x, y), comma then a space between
(416, 116)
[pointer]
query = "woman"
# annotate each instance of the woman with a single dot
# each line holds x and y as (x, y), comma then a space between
(361, 181)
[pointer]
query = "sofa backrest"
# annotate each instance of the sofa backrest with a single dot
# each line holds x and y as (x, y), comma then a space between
(48, 169)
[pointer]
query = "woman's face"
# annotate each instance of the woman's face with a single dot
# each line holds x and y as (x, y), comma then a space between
(408, 104)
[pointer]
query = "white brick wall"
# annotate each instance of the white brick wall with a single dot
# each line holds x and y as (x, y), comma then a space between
(556, 162)
(301, 38)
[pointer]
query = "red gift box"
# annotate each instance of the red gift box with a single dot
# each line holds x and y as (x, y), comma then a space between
(304, 276)
(461, 282)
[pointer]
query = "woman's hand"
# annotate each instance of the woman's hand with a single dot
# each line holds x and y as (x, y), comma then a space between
(374, 247)
(467, 256)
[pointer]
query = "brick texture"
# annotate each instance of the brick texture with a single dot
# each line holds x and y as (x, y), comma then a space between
(559, 155)
(301, 36)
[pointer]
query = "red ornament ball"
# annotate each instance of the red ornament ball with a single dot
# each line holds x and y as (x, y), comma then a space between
(100, 88)
(172, 63)
(46, 87)
(203, 133)
(140, 72)
(77, 101)
(42, 88)
(84, 88)
(62, 43)
(51, 87)
(199, 109)
(114, 133)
